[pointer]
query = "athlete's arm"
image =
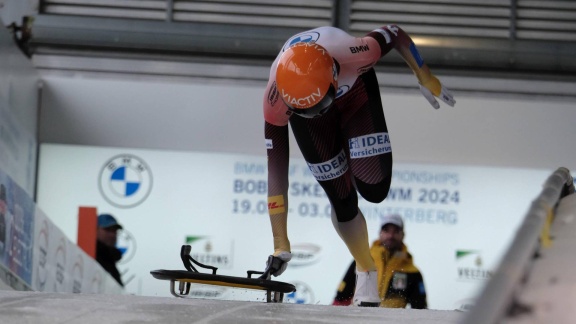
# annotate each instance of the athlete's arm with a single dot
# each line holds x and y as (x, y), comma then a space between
(278, 153)
(278, 162)
(393, 37)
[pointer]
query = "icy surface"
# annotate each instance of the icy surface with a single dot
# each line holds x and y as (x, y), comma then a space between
(36, 307)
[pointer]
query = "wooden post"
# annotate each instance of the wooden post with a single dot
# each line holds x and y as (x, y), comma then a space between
(87, 228)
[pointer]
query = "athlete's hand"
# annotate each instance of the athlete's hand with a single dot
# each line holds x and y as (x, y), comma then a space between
(433, 88)
(276, 265)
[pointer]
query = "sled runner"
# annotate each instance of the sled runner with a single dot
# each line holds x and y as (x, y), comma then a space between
(274, 289)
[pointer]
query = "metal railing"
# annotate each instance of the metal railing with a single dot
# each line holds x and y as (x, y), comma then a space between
(498, 296)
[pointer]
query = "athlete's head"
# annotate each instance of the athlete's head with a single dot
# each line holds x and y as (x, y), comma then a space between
(306, 79)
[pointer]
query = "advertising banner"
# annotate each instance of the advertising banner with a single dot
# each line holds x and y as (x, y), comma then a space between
(458, 220)
(44, 271)
(59, 265)
(16, 228)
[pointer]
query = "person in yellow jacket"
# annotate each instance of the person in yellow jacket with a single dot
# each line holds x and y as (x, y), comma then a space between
(400, 283)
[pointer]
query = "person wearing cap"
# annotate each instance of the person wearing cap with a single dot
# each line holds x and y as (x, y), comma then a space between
(106, 252)
(323, 85)
(400, 282)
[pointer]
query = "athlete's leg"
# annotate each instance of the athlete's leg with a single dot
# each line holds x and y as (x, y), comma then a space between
(354, 233)
(367, 139)
(320, 141)
(365, 135)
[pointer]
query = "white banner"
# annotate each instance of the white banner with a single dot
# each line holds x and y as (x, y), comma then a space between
(459, 220)
(59, 265)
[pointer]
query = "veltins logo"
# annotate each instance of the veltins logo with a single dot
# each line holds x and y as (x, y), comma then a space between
(125, 181)
(216, 253)
(471, 266)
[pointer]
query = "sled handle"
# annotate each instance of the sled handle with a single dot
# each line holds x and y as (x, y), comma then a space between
(252, 272)
(188, 260)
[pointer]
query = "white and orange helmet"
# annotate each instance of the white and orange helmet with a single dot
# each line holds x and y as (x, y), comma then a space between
(306, 78)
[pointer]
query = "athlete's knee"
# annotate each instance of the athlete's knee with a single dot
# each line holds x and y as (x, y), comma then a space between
(345, 209)
(374, 192)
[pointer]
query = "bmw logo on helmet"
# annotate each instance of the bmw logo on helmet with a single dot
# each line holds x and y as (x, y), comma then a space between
(125, 181)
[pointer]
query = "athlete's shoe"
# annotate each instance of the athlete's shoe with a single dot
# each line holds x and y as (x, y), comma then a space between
(276, 265)
(366, 293)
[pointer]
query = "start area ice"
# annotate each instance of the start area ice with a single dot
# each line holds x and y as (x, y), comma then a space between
(37, 307)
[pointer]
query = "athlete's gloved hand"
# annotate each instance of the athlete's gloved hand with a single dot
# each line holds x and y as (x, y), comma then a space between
(276, 265)
(433, 88)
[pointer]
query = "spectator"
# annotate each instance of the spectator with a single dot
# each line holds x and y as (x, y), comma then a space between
(399, 281)
(106, 252)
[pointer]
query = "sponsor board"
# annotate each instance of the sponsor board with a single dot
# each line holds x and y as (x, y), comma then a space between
(471, 267)
(305, 254)
(220, 201)
(212, 251)
(303, 294)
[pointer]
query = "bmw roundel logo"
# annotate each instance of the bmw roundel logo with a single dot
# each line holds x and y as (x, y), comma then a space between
(306, 37)
(125, 181)
(127, 246)
(302, 295)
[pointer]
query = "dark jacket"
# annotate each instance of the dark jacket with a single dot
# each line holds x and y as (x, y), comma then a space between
(107, 257)
(345, 291)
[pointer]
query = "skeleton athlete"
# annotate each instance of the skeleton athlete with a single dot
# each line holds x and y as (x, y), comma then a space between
(323, 84)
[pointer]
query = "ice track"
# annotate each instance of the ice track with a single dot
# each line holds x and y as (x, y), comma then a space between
(37, 307)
